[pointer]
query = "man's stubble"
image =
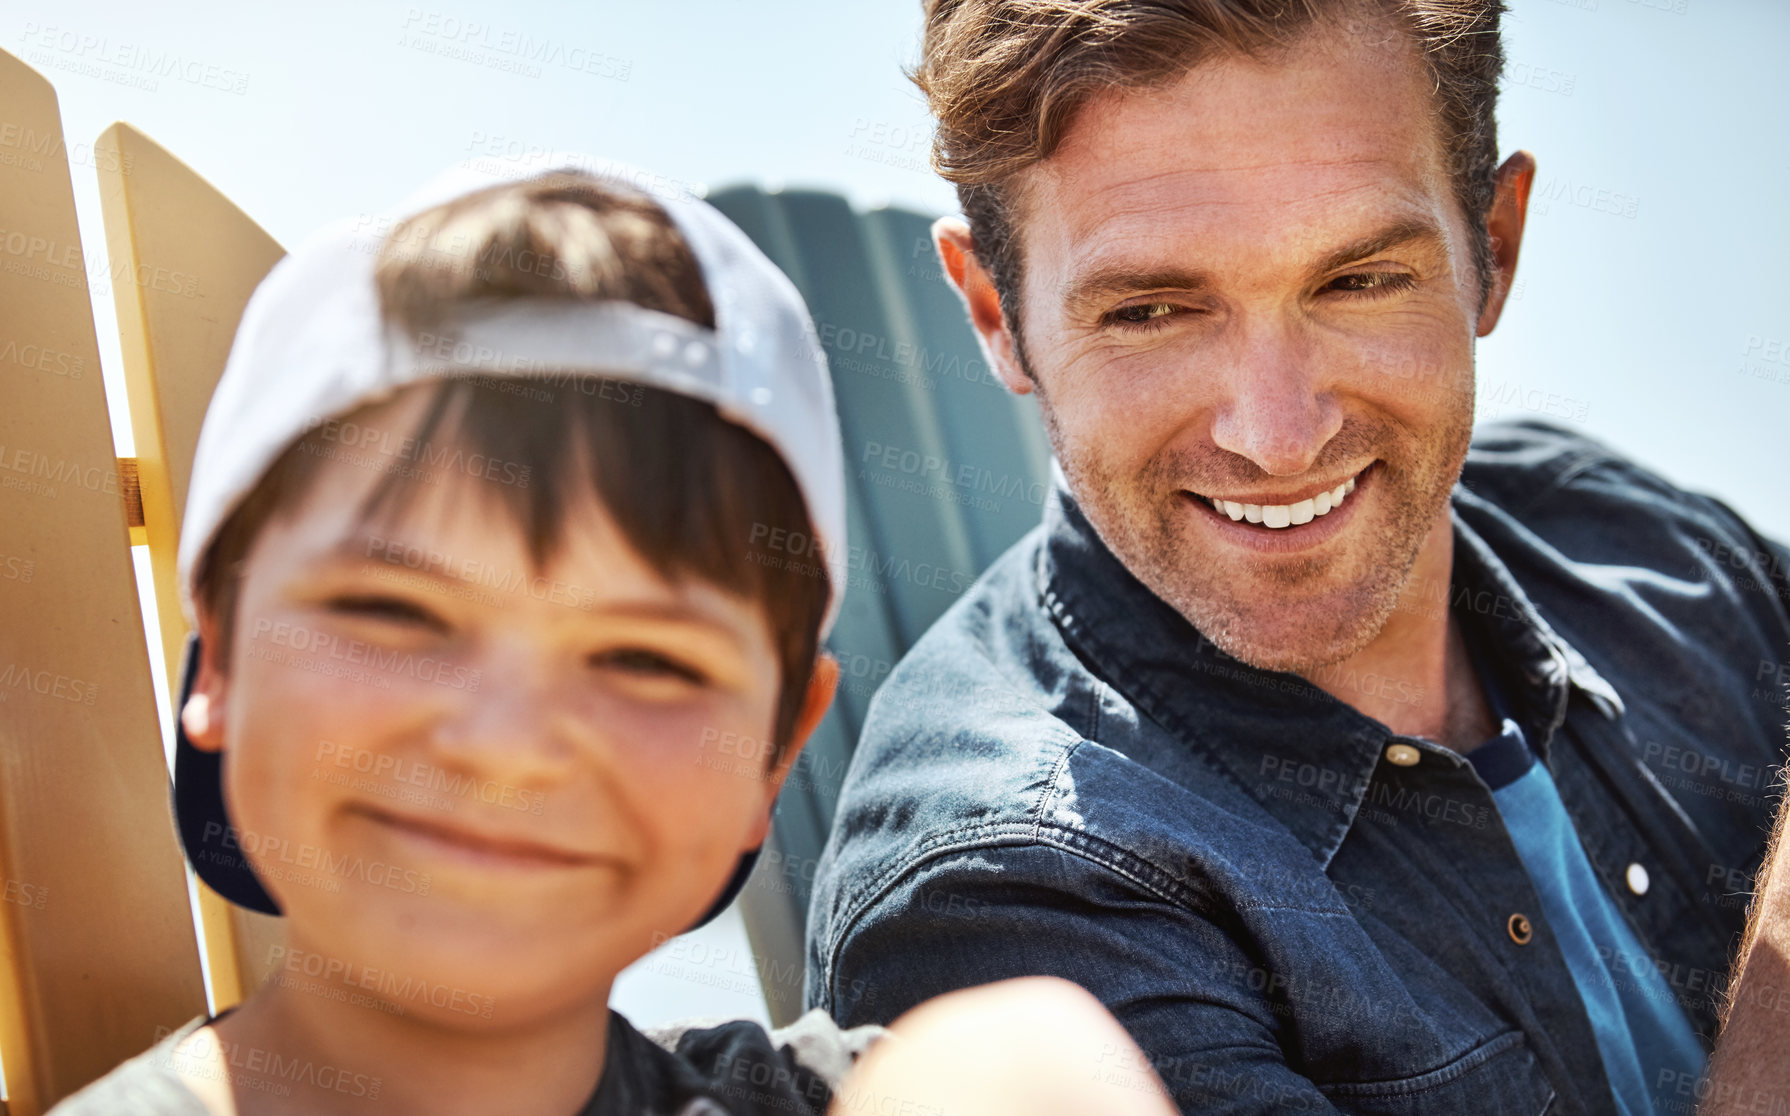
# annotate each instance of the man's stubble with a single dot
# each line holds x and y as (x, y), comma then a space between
(1136, 519)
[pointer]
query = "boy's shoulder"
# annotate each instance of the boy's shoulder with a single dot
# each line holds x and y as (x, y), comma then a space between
(147, 1085)
(734, 1068)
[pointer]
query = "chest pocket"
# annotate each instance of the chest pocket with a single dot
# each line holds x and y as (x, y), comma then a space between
(1499, 1075)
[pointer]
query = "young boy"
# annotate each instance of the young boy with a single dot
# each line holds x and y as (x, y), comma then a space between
(476, 549)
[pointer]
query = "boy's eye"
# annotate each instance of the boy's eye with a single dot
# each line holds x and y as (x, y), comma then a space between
(643, 663)
(394, 609)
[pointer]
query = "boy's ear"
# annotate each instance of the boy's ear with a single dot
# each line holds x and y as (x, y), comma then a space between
(822, 685)
(203, 714)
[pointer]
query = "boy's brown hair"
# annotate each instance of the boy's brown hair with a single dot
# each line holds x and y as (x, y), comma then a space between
(1006, 79)
(696, 496)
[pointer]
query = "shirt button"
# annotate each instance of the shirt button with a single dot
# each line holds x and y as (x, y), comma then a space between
(1403, 755)
(1638, 882)
(1520, 930)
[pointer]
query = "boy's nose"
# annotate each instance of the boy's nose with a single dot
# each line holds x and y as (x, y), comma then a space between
(503, 723)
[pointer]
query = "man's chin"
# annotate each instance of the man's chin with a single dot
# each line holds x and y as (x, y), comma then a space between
(1297, 638)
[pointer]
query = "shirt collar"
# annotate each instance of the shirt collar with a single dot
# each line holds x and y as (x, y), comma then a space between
(1305, 756)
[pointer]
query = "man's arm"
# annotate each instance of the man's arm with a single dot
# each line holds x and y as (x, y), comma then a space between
(1178, 984)
(1750, 1071)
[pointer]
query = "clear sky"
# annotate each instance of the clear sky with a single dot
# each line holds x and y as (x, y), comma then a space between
(1653, 300)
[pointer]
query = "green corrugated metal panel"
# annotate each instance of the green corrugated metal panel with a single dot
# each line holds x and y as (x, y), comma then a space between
(997, 462)
(945, 470)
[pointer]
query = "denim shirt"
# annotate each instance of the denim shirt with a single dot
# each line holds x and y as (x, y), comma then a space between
(1063, 777)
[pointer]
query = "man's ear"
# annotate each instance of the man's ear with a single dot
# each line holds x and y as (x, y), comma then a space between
(1510, 208)
(203, 714)
(822, 685)
(958, 256)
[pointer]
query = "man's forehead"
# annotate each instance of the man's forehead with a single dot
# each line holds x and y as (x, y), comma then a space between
(1327, 126)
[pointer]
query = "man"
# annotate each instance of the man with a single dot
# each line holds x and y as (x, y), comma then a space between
(1349, 769)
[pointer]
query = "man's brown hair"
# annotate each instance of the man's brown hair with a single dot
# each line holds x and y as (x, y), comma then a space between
(1006, 79)
(694, 494)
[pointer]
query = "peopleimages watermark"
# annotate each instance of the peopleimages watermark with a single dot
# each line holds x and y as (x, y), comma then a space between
(855, 567)
(1765, 358)
(390, 991)
(1430, 596)
(1506, 396)
(1583, 195)
(884, 357)
(42, 358)
(1207, 1075)
(504, 48)
(955, 481)
(123, 62)
(21, 894)
(25, 147)
(258, 1070)
(906, 147)
(1544, 78)
(328, 653)
(728, 968)
(1710, 775)
(409, 455)
(1336, 790)
(301, 862)
(62, 264)
(735, 753)
(39, 474)
(383, 772)
(29, 679)
(14, 567)
(400, 555)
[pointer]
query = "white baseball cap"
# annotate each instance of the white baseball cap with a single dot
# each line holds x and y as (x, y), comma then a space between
(313, 345)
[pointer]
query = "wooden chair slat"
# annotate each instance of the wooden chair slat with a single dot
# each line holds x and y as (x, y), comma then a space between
(196, 259)
(100, 951)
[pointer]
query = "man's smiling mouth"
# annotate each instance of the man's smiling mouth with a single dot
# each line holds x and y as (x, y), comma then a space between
(1257, 508)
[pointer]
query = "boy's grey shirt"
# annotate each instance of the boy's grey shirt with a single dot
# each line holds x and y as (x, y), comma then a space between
(724, 1069)
(147, 1084)
(1063, 777)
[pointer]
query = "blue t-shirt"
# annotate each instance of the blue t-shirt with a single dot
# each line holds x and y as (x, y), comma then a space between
(1643, 1033)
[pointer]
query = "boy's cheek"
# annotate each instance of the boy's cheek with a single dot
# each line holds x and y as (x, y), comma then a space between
(283, 775)
(705, 790)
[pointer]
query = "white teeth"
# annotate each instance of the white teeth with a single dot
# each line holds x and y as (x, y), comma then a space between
(1285, 515)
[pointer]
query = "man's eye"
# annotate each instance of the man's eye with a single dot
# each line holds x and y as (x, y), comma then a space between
(1373, 283)
(1142, 315)
(642, 663)
(393, 609)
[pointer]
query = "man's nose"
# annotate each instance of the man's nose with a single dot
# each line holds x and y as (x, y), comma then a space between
(1278, 408)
